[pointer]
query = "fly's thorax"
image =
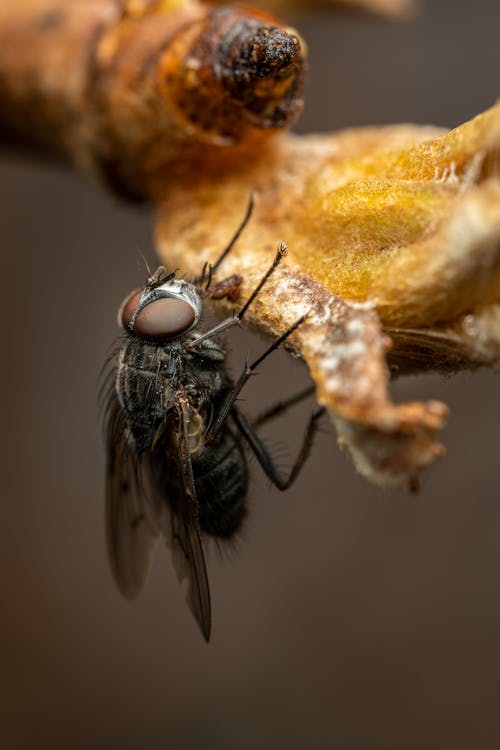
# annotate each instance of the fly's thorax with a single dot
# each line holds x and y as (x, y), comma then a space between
(211, 349)
(204, 375)
(147, 380)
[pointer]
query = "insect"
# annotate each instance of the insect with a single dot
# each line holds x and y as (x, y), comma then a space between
(176, 464)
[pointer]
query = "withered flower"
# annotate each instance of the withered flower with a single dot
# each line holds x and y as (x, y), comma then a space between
(394, 237)
(393, 233)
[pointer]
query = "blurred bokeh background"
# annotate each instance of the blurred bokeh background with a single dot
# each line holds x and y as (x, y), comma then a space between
(346, 617)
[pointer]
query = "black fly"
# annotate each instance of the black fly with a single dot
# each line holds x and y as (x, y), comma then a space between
(176, 465)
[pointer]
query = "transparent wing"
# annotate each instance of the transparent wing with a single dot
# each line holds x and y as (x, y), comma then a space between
(133, 522)
(417, 350)
(137, 509)
(186, 544)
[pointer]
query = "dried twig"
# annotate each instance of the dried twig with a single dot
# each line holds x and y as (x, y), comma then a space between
(127, 88)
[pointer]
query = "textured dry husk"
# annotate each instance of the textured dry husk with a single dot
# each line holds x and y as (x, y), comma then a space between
(390, 230)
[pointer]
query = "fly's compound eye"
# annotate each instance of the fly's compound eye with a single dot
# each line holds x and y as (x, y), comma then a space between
(160, 314)
(127, 309)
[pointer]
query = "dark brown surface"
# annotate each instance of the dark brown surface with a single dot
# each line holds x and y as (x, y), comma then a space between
(346, 617)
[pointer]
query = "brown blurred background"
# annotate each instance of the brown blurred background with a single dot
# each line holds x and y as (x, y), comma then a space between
(347, 617)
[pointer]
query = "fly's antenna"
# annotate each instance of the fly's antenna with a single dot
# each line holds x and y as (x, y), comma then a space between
(144, 260)
(159, 277)
(209, 277)
(206, 276)
(236, 235)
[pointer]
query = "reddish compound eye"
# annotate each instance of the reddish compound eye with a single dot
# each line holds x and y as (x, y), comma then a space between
(165, 318)
(128, 308)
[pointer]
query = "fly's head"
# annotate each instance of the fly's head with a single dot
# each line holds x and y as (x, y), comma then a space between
(164, 309)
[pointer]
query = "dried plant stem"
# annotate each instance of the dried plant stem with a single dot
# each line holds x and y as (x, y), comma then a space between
(125, 89)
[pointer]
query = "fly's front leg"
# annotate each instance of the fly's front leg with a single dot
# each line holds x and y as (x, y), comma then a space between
(263, 456)
(209, 268)
(236, 319)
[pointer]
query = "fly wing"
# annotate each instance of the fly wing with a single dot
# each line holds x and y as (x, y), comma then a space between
(132, 522)
(415, 350)
(137, 510)
(187, 548)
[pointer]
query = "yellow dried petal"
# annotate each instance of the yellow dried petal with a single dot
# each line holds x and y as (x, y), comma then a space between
(404, 221)
(366, 210)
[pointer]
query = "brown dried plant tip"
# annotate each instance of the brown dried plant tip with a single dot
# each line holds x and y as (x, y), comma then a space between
(262, 68)
(241, 70)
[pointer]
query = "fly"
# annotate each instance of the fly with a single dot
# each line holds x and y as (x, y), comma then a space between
(175, 460)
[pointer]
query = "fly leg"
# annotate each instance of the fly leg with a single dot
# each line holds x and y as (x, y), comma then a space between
(236, 319)
(248, 371)
(236, 235)
(209, 268)
(282, 406)
(262, 455)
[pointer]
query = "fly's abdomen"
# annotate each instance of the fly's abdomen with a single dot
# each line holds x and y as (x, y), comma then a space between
(221, 480)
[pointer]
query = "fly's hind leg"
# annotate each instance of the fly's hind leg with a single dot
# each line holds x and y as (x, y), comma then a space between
(248, 370)
(248, 431)
(282, 406)
(263, 456)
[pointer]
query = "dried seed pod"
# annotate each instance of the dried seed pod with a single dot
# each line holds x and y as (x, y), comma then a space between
(391, 230)
(126, 89)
